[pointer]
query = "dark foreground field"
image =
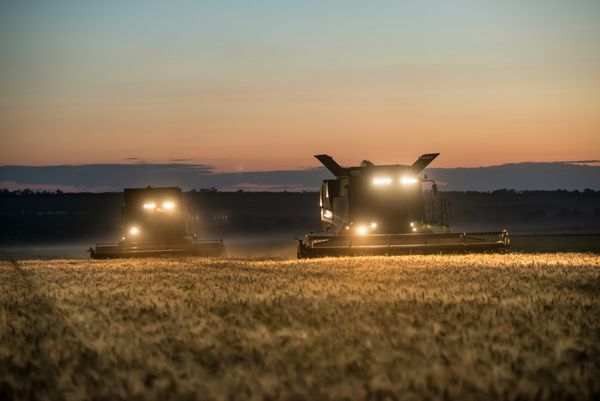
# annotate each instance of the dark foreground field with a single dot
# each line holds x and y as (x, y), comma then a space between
(408, 328)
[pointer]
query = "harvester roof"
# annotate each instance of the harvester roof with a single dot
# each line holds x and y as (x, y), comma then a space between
(339, 171)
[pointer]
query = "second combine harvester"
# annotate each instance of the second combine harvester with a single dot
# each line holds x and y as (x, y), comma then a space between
(155, 223)
(380, 210)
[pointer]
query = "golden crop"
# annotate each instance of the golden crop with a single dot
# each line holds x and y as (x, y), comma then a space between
(411, 327)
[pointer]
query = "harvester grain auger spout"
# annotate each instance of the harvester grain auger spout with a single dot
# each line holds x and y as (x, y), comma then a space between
(383, 209)
(154, 224)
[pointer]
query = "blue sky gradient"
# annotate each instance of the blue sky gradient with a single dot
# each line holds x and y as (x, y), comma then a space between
(266, 84)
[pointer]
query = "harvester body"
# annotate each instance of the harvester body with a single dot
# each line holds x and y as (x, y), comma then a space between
(154, 224)
(372, 209)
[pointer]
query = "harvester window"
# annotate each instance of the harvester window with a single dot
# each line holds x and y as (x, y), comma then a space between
(325, 200)
(329, 191)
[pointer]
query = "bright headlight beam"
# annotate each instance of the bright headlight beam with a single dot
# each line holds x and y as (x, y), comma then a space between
(362, 230)
(149, 205)
(168, 205)
(408, 180)
(382, 180)
(134, 230)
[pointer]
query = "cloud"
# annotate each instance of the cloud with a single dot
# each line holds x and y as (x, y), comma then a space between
(593, 162)
(252, 186)
(115, 177)
(107, 176)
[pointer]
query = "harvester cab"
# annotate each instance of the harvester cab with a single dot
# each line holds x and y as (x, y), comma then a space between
(154, 223)
(370, 209)
(375, 199)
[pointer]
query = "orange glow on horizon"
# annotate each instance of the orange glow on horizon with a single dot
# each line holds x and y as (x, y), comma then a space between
(483, 84)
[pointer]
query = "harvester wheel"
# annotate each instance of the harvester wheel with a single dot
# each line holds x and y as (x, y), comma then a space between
(300, 250)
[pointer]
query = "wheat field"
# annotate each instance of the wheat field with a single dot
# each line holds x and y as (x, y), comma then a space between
(510, 327)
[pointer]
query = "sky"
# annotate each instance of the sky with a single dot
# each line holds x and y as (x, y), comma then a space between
(265, 85)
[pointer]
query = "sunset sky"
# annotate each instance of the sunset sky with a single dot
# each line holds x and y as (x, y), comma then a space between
(264, 85)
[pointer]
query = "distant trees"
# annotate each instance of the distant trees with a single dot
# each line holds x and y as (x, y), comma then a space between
(28, 192)
(211, 190)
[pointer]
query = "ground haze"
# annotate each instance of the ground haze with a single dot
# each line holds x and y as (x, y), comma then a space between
(413, 327)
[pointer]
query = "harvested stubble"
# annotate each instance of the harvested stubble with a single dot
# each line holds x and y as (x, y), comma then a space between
(412, 327)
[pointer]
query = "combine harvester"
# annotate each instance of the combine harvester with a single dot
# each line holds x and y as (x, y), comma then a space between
(154, 224)
(383, 210)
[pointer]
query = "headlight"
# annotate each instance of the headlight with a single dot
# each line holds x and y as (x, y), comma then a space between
(149, 205)
(408, 180)
(168, 205)
(134, 230)
(362, 230)
(373, 226)
(382, 180)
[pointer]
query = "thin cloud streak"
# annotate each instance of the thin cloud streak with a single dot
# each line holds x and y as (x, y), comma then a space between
(115, 177)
